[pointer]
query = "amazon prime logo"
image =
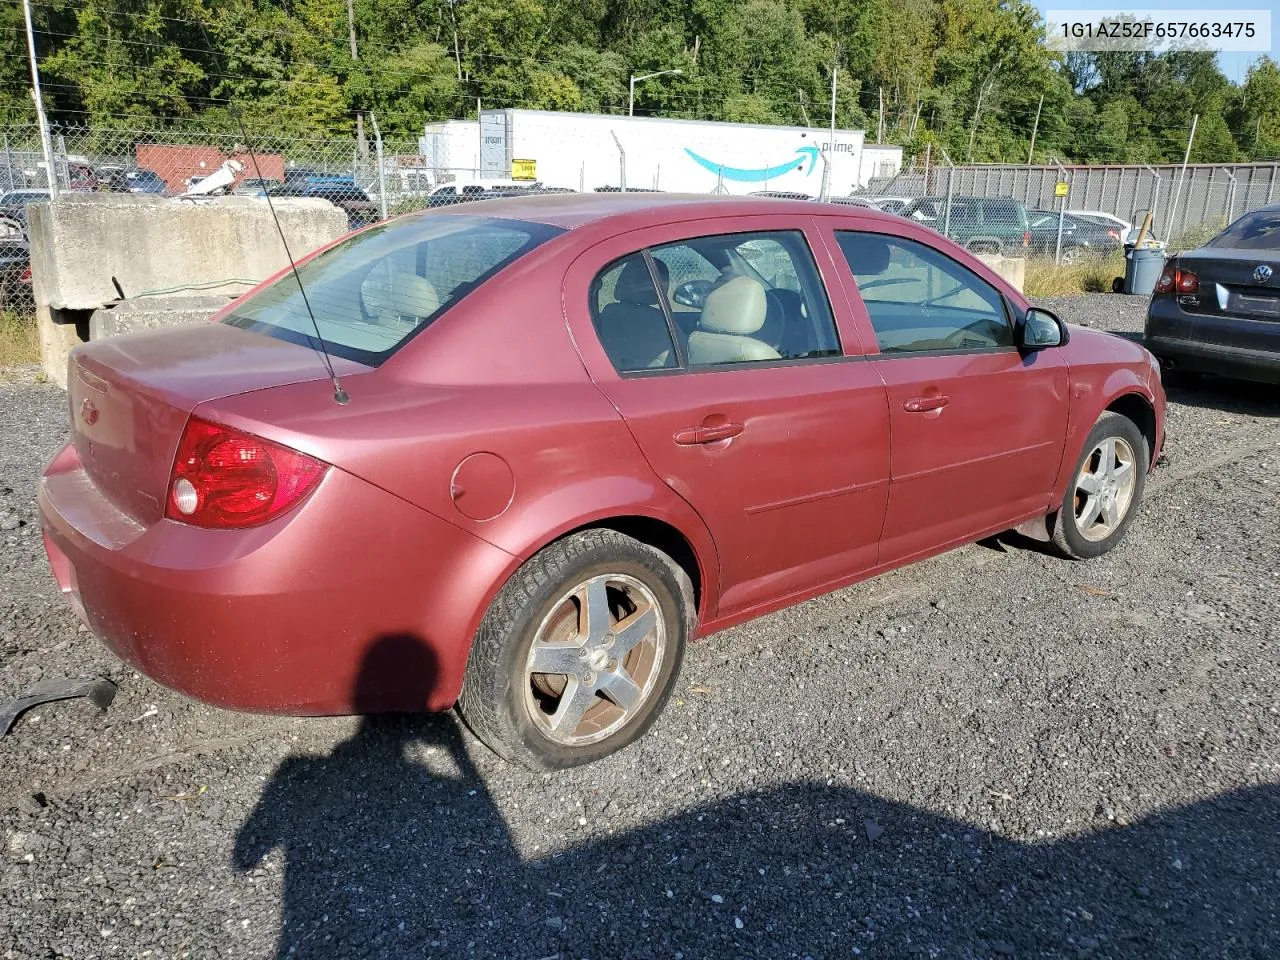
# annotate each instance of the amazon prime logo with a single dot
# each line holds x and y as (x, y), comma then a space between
(1261, 273)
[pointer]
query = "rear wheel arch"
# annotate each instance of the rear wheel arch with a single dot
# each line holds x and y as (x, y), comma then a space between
(659, 534)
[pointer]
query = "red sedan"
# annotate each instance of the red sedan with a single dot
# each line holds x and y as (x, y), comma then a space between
(581, 430)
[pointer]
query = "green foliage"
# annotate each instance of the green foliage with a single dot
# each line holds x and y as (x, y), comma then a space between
(964, 76)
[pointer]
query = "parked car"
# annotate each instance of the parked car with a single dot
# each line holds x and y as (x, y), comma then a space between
(571, 433)
(979, 224)
(465, 191)
(14, 203)
(1128, 232)
(1081, 238)
(853, 202)
(1217, 309)
(890, 204)
(254, 187)
(15, 274)
(342, 192)
(134, 181)
(781, 195)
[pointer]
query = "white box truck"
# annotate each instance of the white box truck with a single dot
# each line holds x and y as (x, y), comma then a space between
(592, 151)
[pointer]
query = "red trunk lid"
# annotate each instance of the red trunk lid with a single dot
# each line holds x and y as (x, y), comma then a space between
(130, 398)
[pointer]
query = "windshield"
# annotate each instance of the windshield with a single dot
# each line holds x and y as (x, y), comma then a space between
(374, 292)
(1253, 231)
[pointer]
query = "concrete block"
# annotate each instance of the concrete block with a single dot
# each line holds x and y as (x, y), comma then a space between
(1013, 269)
(152, 243)
(56, 341)
(152, 313)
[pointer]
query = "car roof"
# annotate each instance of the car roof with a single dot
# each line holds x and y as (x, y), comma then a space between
(571, 210)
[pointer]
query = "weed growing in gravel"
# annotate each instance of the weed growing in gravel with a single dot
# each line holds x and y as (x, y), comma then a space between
(19, 343)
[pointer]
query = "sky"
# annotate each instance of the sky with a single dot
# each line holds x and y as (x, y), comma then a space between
(1234, 65)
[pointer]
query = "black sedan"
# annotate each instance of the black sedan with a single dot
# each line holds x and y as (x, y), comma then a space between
(1217, 309)
(1081, 238)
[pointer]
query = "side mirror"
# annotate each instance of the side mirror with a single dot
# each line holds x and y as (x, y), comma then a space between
(692, 294)
(1040, 329)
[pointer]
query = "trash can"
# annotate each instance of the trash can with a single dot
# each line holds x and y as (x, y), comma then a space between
(1142, 268)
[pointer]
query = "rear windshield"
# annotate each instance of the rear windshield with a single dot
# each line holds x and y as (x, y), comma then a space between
(374, 292)
(1253, 231)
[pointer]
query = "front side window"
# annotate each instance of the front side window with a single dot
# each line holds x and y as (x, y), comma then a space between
(375, 291)
(920, 300)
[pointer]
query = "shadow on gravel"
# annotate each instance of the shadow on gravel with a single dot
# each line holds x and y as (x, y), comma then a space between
(1229, 396)
(388, 856)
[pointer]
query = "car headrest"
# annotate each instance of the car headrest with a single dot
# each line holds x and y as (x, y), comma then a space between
(866, 254)
(635, 285)
(738, 306)
(408, 295)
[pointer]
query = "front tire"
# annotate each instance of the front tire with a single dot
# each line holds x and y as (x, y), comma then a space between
(1105, 489)
(578, 653)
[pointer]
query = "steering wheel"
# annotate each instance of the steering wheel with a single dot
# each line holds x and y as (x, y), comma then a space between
(932, 301)
(971, 335)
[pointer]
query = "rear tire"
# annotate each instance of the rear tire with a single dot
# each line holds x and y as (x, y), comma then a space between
(1105, 489)
(607, 618)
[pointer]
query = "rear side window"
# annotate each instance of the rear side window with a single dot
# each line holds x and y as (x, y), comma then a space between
(375, 291)
(713, 300)
(920, 300)
(627, 311)
(1003, 212)
(1253, 231)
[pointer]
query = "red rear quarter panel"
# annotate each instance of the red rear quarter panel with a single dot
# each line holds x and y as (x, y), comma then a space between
(487, 420)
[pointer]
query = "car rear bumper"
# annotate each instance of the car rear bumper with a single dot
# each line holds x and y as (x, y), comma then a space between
(354, 602)
(1238, 362)
(1229, 346)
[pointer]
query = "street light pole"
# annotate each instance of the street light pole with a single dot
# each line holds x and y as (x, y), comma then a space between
(46, 142)
(631, 90)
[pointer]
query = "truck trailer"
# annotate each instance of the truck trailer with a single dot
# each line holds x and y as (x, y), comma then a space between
(586, 152)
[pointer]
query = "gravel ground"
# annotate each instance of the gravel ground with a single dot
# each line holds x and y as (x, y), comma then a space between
(994, 753)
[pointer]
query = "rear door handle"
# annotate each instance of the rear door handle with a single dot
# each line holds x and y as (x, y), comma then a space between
(688, 436)
(924, 404)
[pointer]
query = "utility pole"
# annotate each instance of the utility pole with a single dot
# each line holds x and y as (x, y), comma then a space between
(355, 56)
(880, 122)
(1182, 176)
(831, 143)
(45, 142)
(982, 91)
(1035, 127)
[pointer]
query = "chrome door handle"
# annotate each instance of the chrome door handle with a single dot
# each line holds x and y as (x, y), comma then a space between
(924, 404)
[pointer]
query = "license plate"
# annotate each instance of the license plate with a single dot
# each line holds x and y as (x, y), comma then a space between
(1261, 306)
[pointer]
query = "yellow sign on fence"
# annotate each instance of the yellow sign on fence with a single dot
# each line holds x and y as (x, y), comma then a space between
(524, 169)
(1061, 189)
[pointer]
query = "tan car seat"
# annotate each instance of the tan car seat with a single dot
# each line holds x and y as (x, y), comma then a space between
(732, 313)
(634, 330)
(406, 299)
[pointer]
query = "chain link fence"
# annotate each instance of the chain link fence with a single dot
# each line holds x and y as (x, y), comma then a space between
(1055, 213)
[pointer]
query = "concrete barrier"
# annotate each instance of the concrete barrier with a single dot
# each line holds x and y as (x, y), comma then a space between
(151, 244)
(152, 313)
(1013, 269)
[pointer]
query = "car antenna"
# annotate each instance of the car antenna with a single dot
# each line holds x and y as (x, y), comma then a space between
(340, 395)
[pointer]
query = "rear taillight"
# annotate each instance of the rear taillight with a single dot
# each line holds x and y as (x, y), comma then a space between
(1113, 234)
(25, 276)
(1026, 238)
(226, 479)
(1173, 280)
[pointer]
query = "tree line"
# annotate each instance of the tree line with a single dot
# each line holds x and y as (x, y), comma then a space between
(968, 77)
